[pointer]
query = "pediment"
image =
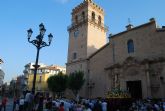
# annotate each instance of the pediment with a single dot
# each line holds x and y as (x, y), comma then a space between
(132, 71)
(129, 61)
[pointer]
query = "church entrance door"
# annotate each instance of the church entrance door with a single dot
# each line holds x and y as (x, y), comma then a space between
(135, 89)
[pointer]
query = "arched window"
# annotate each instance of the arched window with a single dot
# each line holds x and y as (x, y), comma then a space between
(76, 33)
(76, 19)
(93, 16)
(74, 55)
(83, 15)
(99, 20)
(130, 46)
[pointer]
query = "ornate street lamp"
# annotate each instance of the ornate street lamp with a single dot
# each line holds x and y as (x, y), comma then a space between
(39, 43)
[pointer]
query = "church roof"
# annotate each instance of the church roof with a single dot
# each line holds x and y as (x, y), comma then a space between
(98, 50)
(135, 28)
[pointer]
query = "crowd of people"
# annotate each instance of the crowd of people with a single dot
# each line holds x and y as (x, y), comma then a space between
(148, 105)
(42, 102)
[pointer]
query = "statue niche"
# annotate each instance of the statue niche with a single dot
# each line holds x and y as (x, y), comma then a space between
(131, 66)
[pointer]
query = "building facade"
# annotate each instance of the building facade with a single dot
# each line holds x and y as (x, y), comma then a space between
(2, 74)
(43, 73)
(84, 36)
(132, 60)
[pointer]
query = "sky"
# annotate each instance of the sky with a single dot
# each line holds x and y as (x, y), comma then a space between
(17, 16)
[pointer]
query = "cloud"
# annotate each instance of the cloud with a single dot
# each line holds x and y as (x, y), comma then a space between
(62, 1)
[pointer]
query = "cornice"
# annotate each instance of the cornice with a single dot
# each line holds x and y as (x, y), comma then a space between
(76, 61)
(130, 61)
(87, 20)
(87, 4)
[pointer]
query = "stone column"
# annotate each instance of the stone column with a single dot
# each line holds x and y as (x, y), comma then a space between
(164, 90)
(112, 79)
(148, 80)
(117, 79)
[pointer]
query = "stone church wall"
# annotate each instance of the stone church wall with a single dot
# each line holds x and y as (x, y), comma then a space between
(157, 75)
(97, 72)
(148, 44)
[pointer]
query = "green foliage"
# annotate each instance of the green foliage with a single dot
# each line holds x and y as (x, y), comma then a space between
(57, 83)
(76, 81)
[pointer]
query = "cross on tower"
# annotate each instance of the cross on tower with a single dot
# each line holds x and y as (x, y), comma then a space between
(129, 21)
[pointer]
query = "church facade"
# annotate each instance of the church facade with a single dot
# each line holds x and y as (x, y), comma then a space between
(132, 60)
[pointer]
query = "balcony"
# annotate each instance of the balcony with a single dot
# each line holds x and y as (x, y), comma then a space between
(85, 20)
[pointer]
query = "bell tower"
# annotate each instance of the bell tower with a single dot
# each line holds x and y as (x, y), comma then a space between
(87, 34)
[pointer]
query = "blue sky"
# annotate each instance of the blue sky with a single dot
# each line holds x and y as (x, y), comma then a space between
(16, 16)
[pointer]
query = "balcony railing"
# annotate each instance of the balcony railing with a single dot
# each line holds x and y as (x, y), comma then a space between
(85, 20)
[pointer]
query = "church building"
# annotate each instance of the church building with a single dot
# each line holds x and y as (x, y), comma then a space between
(132, 60)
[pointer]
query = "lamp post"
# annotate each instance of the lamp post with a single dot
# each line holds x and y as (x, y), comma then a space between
(39, 43)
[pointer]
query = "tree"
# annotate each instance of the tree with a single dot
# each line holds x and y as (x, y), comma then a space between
(76, 81)
(57, 83)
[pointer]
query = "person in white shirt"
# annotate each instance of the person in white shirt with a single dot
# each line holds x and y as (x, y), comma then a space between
(28, 101)
(21, 104)
(157, 107)
(91, 104)
(164, 106)
(87, 107)
(104, 106)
